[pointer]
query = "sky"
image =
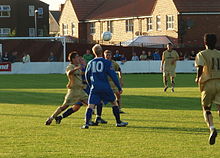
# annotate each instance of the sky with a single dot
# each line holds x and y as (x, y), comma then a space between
(54, 4)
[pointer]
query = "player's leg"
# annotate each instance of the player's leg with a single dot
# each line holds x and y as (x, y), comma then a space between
(99, 119)
(69, 98)
(88, 115)
(165, 81)
(56, 113)
(218, 107)
(118, 99)
(172, 83)
(207, 98)
(69, 112)
(116, 112)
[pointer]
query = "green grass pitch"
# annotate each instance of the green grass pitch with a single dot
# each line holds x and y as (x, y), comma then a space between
(161, 125)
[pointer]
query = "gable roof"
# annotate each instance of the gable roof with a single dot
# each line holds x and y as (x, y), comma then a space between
(103, 9)
(123, 8)
(85, 7)
(197, 5)
(56, 15)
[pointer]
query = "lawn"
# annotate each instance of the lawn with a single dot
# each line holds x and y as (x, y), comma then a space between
(161, 125)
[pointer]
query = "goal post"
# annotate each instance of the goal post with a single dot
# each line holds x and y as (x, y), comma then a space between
(38, 47)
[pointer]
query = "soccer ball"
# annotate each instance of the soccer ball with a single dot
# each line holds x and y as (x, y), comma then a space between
(107, 36)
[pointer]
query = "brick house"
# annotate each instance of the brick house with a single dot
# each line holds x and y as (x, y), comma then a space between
(183, 21)
(17, 18)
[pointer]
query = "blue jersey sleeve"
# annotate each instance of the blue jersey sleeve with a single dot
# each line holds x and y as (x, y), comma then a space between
(88, 74)
(112, 74)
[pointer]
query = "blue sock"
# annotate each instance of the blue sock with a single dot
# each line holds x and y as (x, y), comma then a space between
(99, 109)
(116, 113)
(88, 115)
(68, 112)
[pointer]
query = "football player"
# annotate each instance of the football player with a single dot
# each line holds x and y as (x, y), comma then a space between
(208, 79)
(168, 66)
(97, 73)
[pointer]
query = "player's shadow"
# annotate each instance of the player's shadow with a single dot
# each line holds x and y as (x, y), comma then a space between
(160, 129)
(161, 102)
(39, 98)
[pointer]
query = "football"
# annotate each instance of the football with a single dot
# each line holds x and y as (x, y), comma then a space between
(107, 36)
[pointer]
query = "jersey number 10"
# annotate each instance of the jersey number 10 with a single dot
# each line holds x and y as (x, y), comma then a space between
(97, 66)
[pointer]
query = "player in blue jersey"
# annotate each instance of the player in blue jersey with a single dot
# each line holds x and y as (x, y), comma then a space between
(97, 73)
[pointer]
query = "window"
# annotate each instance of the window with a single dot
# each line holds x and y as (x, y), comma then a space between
(73, 29)
(129, 25)
(65, 29)
(40, 12)
(149, 24)
(158, 22)
(170, 22)
(5, 31)
(5, 11)
(31, 32)
(40, 32)
(110, 26)
(31, 10)
(92, 28)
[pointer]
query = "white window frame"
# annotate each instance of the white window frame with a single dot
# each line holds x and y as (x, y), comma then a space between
(110, 26)
(129, 25)
(5, 8)
(31, 32)
(150, 24)
(65, 29)
(158, 22)
(170, 22)
(73, 29)
(40, 12)
(31, 10)
(92, 28)
(5, 31)
(40, 32)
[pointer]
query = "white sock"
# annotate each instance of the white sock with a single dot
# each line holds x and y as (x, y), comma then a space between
(212, 128)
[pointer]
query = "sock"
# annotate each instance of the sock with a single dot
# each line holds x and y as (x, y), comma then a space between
(116, 113)
(212, 128)
(99, 110)
(118, 103)
(68, 112)
(173, 84)
(88, 115)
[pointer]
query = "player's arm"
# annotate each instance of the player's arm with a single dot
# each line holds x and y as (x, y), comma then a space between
(88, 74)
(120, 76)
(162, 62)
(199, 63)
(112, 74)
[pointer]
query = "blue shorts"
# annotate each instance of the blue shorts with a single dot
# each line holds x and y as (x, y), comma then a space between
(97, 97)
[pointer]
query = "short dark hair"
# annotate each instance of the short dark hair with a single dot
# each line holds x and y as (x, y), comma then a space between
(107, 52)
(72, 55)
(210, 40)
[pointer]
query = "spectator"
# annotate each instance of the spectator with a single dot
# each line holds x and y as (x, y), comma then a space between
(134, 57)
(117, 56)
(52, 58)
(88, 56)
(192, 55)
(181, 56)
(14, 57)
(156, 55)
(26, 58)
(123, 59)
(5, 57)
(149, 55)
(143, 55)
(0, 57)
